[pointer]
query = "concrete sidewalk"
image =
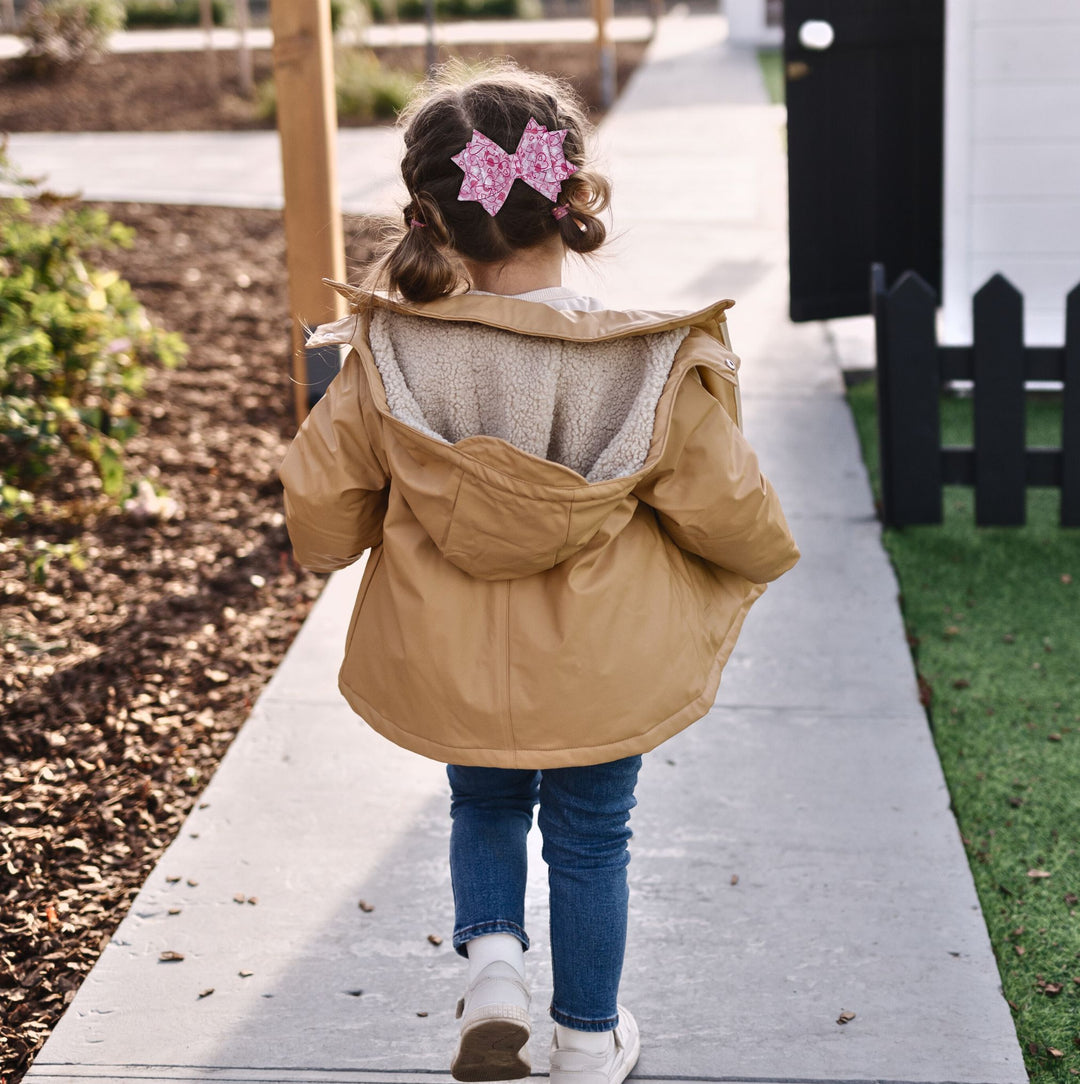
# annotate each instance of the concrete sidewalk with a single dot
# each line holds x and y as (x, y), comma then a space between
(472, 31)
(794, 853)
(222, 169)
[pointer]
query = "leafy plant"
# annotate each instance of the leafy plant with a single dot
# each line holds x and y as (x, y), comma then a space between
(344, 12)
(39, 556)
(414, 10)
(60, 34)
(150, 13)
(74, 346)
(366, 89)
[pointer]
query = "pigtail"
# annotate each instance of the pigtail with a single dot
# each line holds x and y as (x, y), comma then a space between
(417, 261)
(585, 195)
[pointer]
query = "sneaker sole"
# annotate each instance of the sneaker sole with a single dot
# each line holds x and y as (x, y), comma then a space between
(492, 1050)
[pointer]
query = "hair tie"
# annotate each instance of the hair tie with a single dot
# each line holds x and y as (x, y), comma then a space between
(416, 224)
(560, 211)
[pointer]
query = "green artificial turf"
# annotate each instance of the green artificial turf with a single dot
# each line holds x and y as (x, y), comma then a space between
(772, 71)
(993, 617)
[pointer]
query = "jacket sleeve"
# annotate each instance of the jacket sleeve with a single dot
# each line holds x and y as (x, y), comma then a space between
(335, 480)
(708, 490)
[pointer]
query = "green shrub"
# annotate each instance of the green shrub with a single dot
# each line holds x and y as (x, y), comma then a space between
(74, 346)
(414, 10)
(62, 33)
(366, 90)
(344, 12)
(151, 13)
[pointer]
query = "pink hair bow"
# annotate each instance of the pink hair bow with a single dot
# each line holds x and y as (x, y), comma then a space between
(490, 172)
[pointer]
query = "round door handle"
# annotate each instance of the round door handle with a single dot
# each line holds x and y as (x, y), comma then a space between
(816, 34)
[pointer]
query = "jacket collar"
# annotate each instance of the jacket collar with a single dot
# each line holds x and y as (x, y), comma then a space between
(539, 320)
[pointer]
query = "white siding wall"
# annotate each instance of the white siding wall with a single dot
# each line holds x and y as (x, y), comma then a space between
(747, 24)
(1012, 157)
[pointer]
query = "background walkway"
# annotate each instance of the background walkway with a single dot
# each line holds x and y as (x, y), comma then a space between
(794, 853)
(500, 31)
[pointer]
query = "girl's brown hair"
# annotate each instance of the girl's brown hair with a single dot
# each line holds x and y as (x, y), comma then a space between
(419, 259)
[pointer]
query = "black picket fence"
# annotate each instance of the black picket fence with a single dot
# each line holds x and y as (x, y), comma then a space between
(912, 370)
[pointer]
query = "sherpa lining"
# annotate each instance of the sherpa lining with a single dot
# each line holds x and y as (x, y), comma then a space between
(590, 406)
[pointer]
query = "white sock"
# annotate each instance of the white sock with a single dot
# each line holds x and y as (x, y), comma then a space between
(489, 947)
(588, 1042)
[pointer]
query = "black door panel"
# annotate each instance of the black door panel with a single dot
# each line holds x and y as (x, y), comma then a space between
(864, 149)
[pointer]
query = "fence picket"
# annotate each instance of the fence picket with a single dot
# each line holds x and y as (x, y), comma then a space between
(1070, 422)
(911, 371)
(913, 428)
(998, 310)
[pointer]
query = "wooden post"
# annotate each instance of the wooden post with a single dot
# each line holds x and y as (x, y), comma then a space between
(307, 123)
(605, 50)
(206, 21)
(431, 52)
(243, 23)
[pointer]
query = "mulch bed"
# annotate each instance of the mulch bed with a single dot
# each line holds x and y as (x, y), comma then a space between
(124, 682)
(142, 92)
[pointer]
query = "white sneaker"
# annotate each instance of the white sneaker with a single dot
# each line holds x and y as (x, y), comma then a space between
(494, 1015)
(578, 1067)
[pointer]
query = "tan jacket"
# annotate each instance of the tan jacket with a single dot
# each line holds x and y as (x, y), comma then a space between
(567, 525)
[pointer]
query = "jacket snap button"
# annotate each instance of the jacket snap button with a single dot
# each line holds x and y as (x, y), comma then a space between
(729, 363)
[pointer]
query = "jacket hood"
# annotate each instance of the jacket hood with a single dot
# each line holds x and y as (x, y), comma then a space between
(516, 432)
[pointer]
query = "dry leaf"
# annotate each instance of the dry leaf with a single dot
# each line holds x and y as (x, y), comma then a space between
(845, 1017)
(238, 898)
(1038, 874)
(1054, 1052)
(434, 938)
(170, 956)
(253, 900)
(206, 993)
(1052, 989)
(245, 974)
(174, 910)
(366, 907)
(1066, 578)
(421, 1013)
(734, 878)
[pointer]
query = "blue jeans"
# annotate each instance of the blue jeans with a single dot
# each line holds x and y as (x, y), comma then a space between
(583, 819)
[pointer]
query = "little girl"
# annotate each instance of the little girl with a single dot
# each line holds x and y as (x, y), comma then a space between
(567, 530)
